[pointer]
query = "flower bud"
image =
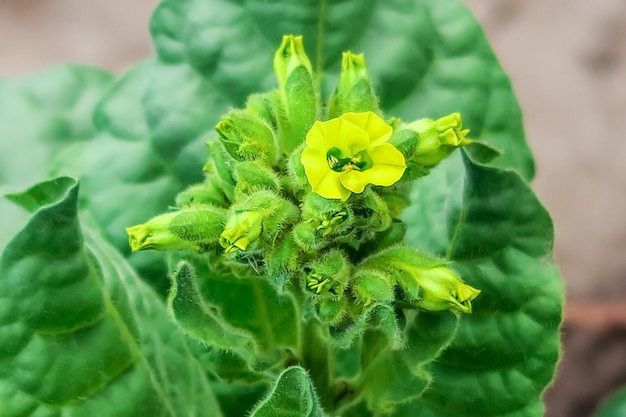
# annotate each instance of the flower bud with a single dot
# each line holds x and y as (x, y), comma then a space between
(306, 237)
(221, 165)
(262, 211)
(205, 193)
(247, 137)
(332, 311)
(242, 229)
(354, 92)
(372, 285)
(438, 138)
(260, 106)
(289, 57)
(442, 289)
(298, 95)
(195, 229)
(329, 274)
(253, 176)
(425, 281)
(328, 217)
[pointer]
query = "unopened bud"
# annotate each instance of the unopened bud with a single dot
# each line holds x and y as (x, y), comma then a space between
(354, 92)
(261, 211)
(247, 137)
(242, 229)
(438, 138)
(372, 285)
(205, 193)
(329, 274)
(442, 289)
(298, 96)
(289, 57)
(253, 176)
(195, 229)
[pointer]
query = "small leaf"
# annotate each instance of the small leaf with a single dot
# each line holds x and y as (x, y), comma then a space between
(398, 375)
(203, 322)
(251, 304)
(293, 395)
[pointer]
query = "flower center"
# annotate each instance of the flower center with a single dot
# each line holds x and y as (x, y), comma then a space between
(360, 161)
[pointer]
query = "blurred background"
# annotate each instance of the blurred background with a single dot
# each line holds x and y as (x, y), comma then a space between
(567, 62)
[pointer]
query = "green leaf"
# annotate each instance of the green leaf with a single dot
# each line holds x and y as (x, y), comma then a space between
(396, 376)
(251, 304)
(499, 237)
(204, 322)
(81, 334)
(292, 396)
(42, 114)
(614, 405)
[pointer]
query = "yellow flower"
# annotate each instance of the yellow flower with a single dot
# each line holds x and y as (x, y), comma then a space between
(345, 154)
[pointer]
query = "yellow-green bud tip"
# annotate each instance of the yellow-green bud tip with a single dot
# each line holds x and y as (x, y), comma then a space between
(438, 138)
(241, 230)
(441, 289)
(353, 69)
(137, 236)
(152, 235)
(290, 55)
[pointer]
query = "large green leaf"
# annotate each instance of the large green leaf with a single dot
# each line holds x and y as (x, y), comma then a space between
(39, 116)
(80, 333)
(499, 238)
(43, 113)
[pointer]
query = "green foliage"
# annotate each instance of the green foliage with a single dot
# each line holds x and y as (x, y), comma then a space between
(318, 309)
(614, 405)
(80, 332)
(293, 395)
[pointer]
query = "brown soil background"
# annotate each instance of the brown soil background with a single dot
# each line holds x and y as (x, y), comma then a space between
(567, 62)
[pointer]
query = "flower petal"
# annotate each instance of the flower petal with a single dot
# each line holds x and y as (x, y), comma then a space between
(355, 181)
(388, 165)
(330, 187)
(338, 133)
(379, 132)
(315, 165)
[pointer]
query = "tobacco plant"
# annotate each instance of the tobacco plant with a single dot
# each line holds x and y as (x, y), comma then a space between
(293, 209)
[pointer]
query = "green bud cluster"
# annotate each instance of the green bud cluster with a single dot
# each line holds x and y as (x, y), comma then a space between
(256, 213)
